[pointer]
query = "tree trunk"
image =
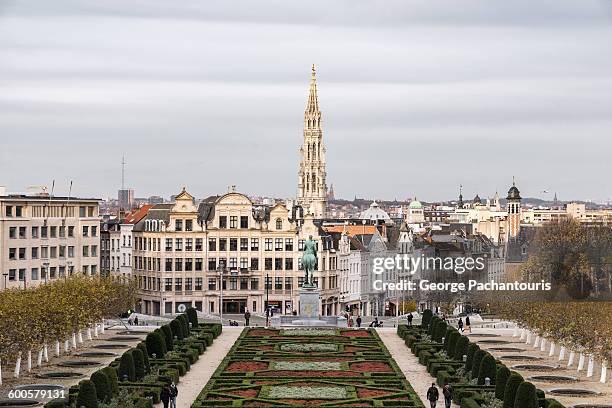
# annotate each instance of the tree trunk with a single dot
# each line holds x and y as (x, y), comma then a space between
(523, 334)
(96, 330)
(562, 353)
(102, 327)
(18, 366)
(602, 378)
(80, 337)
(46, 353)
(0, 372)
(57, 348)
(515, 333)
(570, 361)
(552, 349)
(528, 340)
(67, 346)
(29, 361)
(536, 343)
(543, 344)
(40, 357)
(581, 362)
(591, 367)
(89, 334)
(74, 342)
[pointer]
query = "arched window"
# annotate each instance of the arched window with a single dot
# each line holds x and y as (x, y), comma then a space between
(147, 225)
(279, 224)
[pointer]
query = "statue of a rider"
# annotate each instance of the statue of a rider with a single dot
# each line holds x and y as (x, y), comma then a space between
(309, 261)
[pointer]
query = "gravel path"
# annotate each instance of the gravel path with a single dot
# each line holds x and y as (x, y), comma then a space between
(415, 373)
(196, 378)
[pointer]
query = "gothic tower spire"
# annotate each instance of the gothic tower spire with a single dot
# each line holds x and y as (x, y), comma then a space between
(312, 188)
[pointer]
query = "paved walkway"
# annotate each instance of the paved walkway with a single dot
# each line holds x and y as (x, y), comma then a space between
(415, 373)
(196, 378)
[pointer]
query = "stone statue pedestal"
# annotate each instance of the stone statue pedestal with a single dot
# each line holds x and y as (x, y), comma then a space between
(309, 302)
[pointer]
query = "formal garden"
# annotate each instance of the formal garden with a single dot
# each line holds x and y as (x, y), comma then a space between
(308, 367)
(478, 378)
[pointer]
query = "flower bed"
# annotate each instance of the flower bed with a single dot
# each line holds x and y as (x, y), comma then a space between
(308, 367)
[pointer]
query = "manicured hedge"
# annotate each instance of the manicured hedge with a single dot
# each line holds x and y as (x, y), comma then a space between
(526, 396)
(501, 378)
(487, 369)
(102, 384)
(426, 318)
(168, 336)
(469, 362)
(478, 356)
(127, 370)
(192, 315)
(87, 397)
(156, 344)
(461, 348)
(512, 385)
(139, 364)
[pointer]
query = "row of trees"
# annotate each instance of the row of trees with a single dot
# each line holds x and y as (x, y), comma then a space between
(31, 319)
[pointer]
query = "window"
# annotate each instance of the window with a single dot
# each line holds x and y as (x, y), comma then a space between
(43, 232)
(178, 244)
(244, 221)
(22, 274)
(244, 263)
(198, 283)
(35, 275)
(62, 251)
(212, 284)
(279, 224)
(53, 271)
(168, 284)
(278, 264)
(22, 253)
(18, 211)
(198, 244)
(62, 232)
(300, 245)
(9, 213)
(13, 232)
(12, 274)
(94, 231)
(70, 231)
(288, 244)
(54, 232)
(233, 264)
(12, 253)
(44, 252)
(90, 211)
(254, 284)
(233, 284)
(178, 284)
(178, 264)
(288, 264)
(34, 252)
(85, 250)
(233, 221)
(168, 264)
(300, 281)
(212, 244)
(244, 284)
(288, 283)
(188, 264)
(268, 283)
(254, 244)
(198, 264)
(278, 283)
(268, 264)
(212, 264)
(188, 225)
(168, 244)
(222, 221)
(244, 244)
(94, 250)
(22, 232)
(278, 244)
(178, 225)
(34, 232)
(222, 244)
(71, 251)
(268, 244)
(233, 244)
(189, 244)
(189, 284)
(254, 264)
(85, 231)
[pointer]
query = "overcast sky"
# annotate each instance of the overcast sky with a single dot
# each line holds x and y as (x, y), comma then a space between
(417, 97)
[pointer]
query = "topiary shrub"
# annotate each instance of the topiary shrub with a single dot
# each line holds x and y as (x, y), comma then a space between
(103, 386)
(472, 349)
(432, 325)
(156, 344)
(184, 321)
(126, 367)
(452, 343)
(526, 396)
(449, 330)
(426, 318)
(111, 374)
(440, 330)
(487, 369)
(177, 329)
(168, 336)
(192, 315)
(478, 356)
(501, 378)
(139, 365)
(512, 385)
(87, 397)
(145, 356)
(461, 348)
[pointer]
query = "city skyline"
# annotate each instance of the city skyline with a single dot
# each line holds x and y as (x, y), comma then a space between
(407, 98)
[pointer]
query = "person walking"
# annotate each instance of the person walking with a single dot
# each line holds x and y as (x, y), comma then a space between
(460, 324)
(247, 317)
(350, 322)
(468, 327)
(173, 395)
(165, 395)
(447, 391)
(358, 320)
(136, 321)
(432, 395)
(410, 317)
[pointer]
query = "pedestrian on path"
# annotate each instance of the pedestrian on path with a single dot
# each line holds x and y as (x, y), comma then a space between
(358, 321)
(410, 317)
(447, 391)
(173, 395)
(460, 324)
(165, 395)
(247, 317)
(432, 395)
(468, 327)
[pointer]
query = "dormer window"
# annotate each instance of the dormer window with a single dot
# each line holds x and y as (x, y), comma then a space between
(178, 225)
(279, 224)
(188, 225)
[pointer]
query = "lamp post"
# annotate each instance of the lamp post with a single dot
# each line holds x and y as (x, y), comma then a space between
(267, 301)
(221, 272)
(5, 274)
(46, 265)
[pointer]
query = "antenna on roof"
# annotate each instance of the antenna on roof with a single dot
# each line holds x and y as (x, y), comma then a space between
(123, 172)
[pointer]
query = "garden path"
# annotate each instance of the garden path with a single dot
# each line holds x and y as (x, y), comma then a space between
(196, 378)
(415, 373)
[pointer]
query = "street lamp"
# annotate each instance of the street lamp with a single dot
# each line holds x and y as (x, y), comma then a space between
(46, 265)
(221, 272)
(267, 301)
(5, 277)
